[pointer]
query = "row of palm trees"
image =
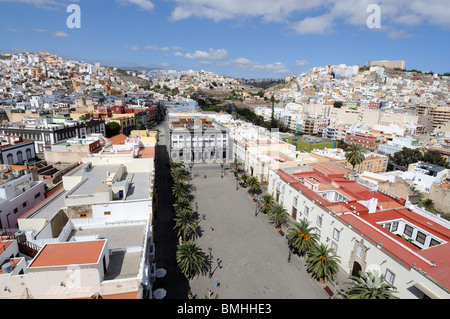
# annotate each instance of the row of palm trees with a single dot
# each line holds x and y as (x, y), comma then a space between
(321, 261)
(190, 258)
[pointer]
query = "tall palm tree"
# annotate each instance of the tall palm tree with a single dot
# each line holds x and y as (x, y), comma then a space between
(303, 238)
(355, 155)
(267, 203)
(179, 174)
(183, 203)
(236, 165)
(253, 184)
(322, 263)
(370, 286)
(180, 189)
(185, 224)
(190, 259)
(278, 215)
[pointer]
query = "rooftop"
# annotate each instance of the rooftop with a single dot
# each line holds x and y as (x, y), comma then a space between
(70, 253)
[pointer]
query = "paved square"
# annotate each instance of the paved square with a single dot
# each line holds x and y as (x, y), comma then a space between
(254, 256)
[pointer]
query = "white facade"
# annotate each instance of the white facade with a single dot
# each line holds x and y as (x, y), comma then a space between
(18, 194)
(353, 246)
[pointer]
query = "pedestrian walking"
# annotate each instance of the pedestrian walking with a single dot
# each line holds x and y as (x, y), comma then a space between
(217, 283)
(209, 293)
(210, 228)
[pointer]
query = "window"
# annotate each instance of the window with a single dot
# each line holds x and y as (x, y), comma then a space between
(107, 213)
(24, 204)
(360, 252)
(306, 210)
(394, 226)
(421, 237)
(83, 215)
(16, 210)
(319, 221)
(434, 242)
(408, 230)
(334, 246)
(387, 226)
(37, 195)
(336, 234)
(295, 201)
(390, 276)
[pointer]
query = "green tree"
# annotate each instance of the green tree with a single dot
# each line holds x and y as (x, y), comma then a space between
(322, 263)
(253, 184)
(405, 157)
(112, 129)
(435, 157)
(179, 174)
(428, 203)
(180, 189)
(370, 286)
(185, 224)
(243, 178)
(355, 155)
(190, 259)
(235, 166)
(182, 204)
(278, 215)
(303, 237)
(267, 203)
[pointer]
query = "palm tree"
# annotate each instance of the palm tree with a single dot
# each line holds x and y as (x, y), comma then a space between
(243, 178)
(190, 259)
(267, 203)
(254, 184)
(236, 166)
(303, 238)
(278, 215)
(355, 155)
(183, 203)
(185, 224)
(179, 174)
(322, 263)
(176, 165)
(370, 286)
(180, 189)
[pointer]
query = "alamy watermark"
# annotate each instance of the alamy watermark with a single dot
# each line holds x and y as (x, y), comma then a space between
(74, 20)
(374, 19)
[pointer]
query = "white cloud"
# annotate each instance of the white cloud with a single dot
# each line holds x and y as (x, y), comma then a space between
(301, 62)
(45, 4)
(11, 29)
(316, 16)
(40, 30)
(257, 67)
(211, 54)
(148, 47)
(315, 25)
(60, 34)
(143, 4)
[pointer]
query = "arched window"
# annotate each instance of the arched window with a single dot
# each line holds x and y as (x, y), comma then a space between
(28, 154)
(19, 157)
(10, 159)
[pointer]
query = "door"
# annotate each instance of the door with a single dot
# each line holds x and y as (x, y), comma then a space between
(356, 269)
(294, 213)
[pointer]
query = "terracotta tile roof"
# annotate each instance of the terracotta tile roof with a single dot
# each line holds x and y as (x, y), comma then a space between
(118, 139)
(71, 253)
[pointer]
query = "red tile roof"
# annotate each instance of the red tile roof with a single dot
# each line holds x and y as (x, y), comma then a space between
(70, 253)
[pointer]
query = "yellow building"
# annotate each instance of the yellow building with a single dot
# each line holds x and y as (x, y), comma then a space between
(146, 137)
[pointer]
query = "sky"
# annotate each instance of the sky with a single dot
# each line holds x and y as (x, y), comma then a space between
(239, 38)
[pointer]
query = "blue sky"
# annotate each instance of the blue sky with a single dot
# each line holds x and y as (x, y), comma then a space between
(242, 38)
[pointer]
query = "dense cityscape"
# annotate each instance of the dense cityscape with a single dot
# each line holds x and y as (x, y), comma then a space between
(131, 184)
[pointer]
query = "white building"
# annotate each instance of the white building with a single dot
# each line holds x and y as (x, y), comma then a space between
(365, 229)
(18, 194)
(424, 175)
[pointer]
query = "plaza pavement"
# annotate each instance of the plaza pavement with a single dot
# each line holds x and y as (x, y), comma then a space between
(254, 256)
